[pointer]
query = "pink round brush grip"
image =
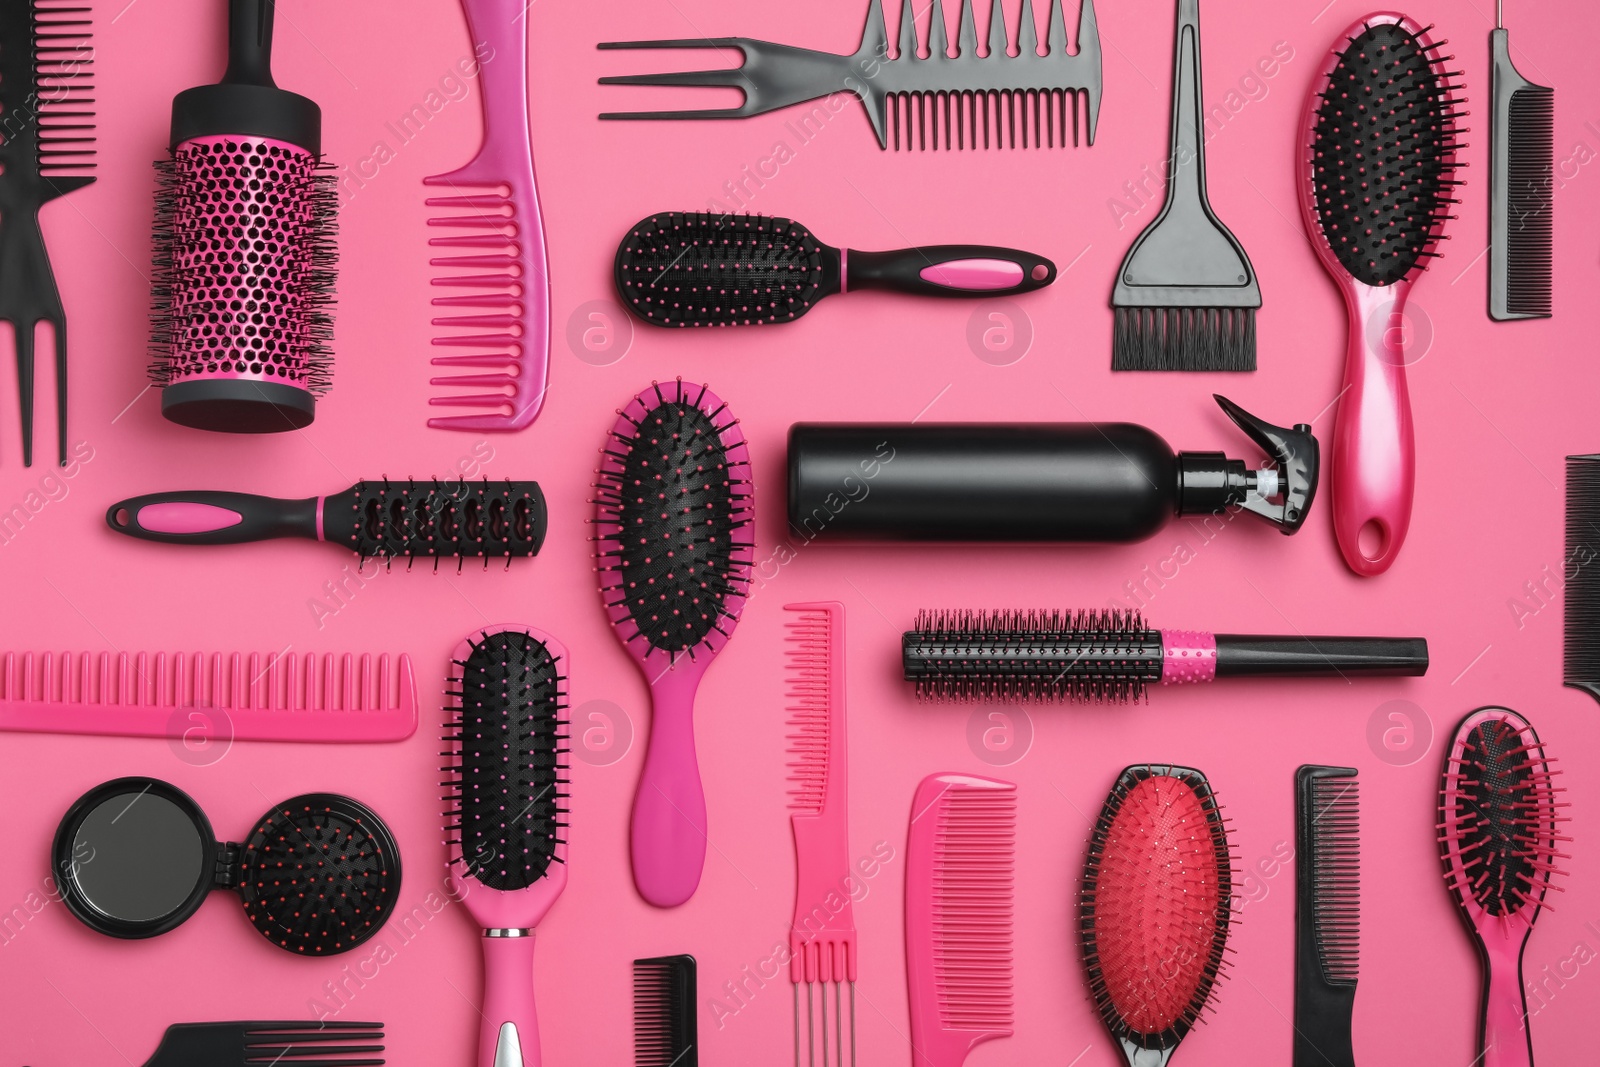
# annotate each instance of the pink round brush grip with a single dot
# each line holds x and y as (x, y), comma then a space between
(974, 275)
(1188, 656)
(668, 831)
(180, 517)
(262, 332)
(508, 998)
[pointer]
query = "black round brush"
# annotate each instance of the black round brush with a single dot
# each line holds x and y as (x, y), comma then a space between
(244, 247)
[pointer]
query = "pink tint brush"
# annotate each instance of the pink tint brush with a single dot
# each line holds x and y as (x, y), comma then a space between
(502, 262)
(822, 937)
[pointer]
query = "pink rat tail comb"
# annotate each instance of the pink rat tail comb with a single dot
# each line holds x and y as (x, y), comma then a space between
(1498, 817)
(960, 882)
(500, 321)
(214, 697)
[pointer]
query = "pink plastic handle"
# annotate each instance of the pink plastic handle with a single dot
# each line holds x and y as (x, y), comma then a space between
(1505, 1040)
(508, 1036)
(179, 517)
(668, 834)
(974, 275)
(1374, 460)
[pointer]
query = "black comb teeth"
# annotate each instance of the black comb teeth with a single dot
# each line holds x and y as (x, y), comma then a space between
(1530, 226)
(1580, 661)
(284, 1043)
(63, 63)
(506, 784)
(665, 1031)
(702, 269)
(1383, 144)
(1327, 912)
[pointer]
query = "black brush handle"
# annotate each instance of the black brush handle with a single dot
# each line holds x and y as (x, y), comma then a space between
(250, 43)
(949, 270)
(214, 518)
(1262, 654)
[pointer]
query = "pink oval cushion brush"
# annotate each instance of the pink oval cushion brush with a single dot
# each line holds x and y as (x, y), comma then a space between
(1155, 908)
(1385, 96)
(674, 508)
(1497, 838)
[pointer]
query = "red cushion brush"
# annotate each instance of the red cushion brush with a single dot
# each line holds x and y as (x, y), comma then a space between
(1155, 910)
(1497, 837)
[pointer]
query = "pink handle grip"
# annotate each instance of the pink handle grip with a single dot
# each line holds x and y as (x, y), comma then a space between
(1505, 1040)
(180, 517)
(974, 275)
(1374, 461)
(668, 835)
(509, 1033)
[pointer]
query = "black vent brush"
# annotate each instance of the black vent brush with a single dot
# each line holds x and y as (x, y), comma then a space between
(384, 519)
(1327, 914)
(46, 150)
(703, 269)
(1110, 655)
(965, 100)
(1522, 140)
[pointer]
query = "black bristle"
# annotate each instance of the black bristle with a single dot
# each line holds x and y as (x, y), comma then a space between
(1383, 154)
(508, 748)
(674, 514)
(1104, 655)
(460, 519)
(1530, 195)
(665, 1029)
(1580, 594)
(1184, 338)
(703, 269)
(319, 875)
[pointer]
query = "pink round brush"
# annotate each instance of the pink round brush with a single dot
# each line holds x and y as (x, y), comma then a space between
(1497, 838)
(674, 510)
(1376, 187)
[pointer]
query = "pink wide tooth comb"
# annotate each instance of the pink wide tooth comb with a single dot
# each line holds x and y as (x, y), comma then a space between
(1375, 233)
(1498, 817)
(674, 511)
(503, 260)
(822, 936)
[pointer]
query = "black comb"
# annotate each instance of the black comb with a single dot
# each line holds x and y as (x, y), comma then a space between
(1580, 597)
(1521, 186)
(284, 1043)
(1327, 874)
(47, 102)
(665, 1033)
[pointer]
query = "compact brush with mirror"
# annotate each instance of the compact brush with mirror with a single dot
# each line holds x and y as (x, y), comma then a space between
(136, 857)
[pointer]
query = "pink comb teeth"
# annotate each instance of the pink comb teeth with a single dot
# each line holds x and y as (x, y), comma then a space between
(501, 235)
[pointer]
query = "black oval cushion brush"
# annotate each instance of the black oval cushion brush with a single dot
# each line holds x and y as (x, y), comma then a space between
(697, 268)
(373, 519)
(135, 857)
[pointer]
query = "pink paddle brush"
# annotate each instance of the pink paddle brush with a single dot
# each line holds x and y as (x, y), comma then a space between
(505, 817)
(1377, 183)
(1497, 838)
(674, 507)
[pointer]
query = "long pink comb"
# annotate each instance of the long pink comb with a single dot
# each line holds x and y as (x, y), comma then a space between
(504, 264)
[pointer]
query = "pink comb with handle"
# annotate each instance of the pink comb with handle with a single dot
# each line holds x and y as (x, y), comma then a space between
(222, 696)
(502, 262)
(960, 878)
(822, 937)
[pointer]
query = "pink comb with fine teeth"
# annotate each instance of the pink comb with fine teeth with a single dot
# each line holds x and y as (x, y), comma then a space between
(505, 319)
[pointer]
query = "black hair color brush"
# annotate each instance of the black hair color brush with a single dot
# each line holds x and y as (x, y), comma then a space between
(46, 150)
(1110, 655)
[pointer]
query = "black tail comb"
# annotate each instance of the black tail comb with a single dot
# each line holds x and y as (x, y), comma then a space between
(1521, 189)
(284, 1043)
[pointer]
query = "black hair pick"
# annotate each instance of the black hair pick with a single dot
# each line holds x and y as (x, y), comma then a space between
(1384, 142)
(702, 269)
(507, 743)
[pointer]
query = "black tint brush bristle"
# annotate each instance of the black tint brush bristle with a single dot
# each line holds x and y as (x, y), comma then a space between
(665, 1032)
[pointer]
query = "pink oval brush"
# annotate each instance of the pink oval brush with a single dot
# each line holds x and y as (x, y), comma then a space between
(1376, 185)
(1497, 838)
(674, 507)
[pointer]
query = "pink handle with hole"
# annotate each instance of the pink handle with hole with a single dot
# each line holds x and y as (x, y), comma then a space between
(509, 1032)
(1373, 458)
(668, 833)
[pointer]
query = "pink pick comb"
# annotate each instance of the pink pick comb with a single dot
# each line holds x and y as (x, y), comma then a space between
(318, 698)
(960, 880)
(506, 325)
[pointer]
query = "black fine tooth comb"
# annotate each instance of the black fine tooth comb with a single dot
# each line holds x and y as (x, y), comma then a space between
(1521, 187)
(301, 1044)
(47, 103)
(1004, 101)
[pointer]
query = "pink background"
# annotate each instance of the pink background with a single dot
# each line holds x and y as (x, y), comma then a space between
(1497, 407)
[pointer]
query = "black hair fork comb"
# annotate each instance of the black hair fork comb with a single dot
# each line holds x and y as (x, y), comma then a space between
(1007, 101)
(46, 150)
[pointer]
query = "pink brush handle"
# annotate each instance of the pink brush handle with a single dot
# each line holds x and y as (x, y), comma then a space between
(509, 1033)
(1374, 462)
(1505, 1041)
(669, 811)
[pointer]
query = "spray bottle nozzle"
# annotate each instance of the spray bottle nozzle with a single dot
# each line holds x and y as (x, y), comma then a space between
(1211, 482)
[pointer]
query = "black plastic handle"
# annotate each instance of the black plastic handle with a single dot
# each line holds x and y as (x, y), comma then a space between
(1261, 654)
(949, 270)
(250, 43)
(213, 518)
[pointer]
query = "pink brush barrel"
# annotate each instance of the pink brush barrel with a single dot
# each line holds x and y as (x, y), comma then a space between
(1373, 457)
